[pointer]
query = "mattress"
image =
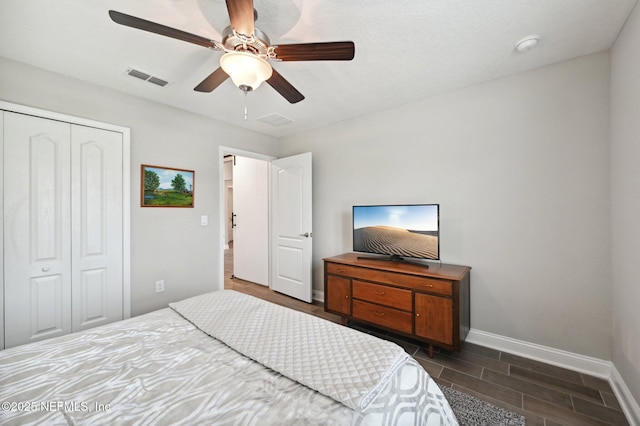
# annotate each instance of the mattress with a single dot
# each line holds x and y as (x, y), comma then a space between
(168, 367)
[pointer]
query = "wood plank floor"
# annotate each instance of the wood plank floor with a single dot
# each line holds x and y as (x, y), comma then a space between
(546, 395)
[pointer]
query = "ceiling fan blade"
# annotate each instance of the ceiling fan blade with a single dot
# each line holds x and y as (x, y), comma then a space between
(143, 24)
(214, 80)
(331, 51)
(285, 88)
(241, 16)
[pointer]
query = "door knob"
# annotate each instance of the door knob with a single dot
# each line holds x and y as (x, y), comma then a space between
(307, 234)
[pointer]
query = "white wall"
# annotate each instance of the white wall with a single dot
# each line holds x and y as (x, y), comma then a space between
(167, 243)
(625, 201)
(520, 167)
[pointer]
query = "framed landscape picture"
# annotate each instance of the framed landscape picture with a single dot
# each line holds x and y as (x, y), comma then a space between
(166, 187)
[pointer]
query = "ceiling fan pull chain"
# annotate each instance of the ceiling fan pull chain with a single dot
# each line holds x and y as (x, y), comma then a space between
(245, 106)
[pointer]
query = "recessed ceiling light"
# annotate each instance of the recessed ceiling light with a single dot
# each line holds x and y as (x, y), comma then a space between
(527, 43)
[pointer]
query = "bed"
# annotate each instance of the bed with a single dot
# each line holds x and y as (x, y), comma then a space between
(222, 358)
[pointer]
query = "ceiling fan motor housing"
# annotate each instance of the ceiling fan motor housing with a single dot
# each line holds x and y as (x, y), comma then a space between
(258, 44)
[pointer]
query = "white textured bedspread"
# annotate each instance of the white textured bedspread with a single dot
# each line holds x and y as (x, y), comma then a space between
(344, 364)
(159, 369)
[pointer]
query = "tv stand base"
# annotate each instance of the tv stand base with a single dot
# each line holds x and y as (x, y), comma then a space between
(393, 258)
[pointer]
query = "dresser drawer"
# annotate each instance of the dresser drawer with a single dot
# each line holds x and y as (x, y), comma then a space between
(383, 295)
(431, 285)
(384, 316)
(340, 269)
(416, 282)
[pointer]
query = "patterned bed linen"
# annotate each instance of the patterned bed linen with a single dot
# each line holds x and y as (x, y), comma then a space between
(159, 369)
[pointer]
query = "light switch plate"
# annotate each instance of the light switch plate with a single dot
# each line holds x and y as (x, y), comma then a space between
(204, 220)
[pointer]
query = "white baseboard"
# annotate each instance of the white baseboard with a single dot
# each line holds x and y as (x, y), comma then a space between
(627, 402)
(576, 362)
(583, 364)
(318, 296)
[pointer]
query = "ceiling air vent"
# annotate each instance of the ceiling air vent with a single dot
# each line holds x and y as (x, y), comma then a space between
(146, 77)
(158, 81)
(137, 74)
(275, 120)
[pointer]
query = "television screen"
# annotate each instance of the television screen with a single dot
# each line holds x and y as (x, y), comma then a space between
(411, 230)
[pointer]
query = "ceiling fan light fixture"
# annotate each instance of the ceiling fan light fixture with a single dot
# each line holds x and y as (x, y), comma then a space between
(246, 70)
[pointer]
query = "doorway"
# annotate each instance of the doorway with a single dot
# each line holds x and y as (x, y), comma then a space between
(245, 217)
(280, 236)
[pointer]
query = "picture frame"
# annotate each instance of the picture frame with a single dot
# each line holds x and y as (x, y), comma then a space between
(166, 187)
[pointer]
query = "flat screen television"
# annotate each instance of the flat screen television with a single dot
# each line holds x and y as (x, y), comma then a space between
(397, 231)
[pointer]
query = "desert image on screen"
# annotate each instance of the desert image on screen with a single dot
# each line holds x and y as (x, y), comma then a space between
(396, 241)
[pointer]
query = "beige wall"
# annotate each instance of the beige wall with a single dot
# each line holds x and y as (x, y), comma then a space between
(520, 167)
(166, 244)
(625, 201)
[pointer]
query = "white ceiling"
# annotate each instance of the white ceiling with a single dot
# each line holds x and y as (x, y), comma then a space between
(406, 50)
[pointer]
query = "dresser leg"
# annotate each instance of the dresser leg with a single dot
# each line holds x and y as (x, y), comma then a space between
(430, 350)
(343, 320)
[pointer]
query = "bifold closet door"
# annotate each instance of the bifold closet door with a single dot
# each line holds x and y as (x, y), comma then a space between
(37, 226)
(96, 227)
(63, 228)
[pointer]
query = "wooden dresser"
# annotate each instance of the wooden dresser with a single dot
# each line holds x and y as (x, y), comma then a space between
(428, 304)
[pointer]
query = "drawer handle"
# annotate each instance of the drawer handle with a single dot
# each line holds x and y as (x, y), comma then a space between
(342, 270)
(427, 285)
(380, 314)
(379, 292)
(346, 297)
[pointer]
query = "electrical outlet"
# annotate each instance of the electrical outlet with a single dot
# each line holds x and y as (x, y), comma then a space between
(159, 286)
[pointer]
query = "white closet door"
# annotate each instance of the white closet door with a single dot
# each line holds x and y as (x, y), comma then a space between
(97, 221)
(37, 227)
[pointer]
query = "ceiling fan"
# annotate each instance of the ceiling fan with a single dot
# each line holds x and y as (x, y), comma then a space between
(247, 51)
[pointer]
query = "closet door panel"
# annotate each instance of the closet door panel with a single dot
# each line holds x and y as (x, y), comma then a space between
(37, 226)
(93, 290)
(97, 218)
(46, 316)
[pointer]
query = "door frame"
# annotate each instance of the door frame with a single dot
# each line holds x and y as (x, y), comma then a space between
(222, 151)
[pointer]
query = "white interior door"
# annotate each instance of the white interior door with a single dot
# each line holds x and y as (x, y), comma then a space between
(37, 227)
(291, 232)
(228, 199)
(251, 209)
(97, 222)
(229, 216)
